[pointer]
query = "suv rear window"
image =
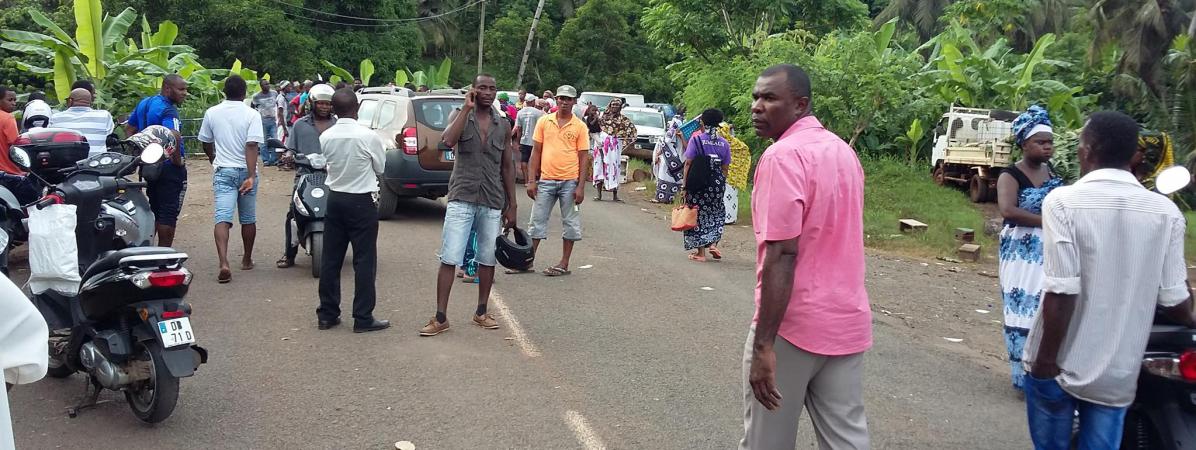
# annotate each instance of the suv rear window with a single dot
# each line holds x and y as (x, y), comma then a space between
(365, 113)
(434, 112)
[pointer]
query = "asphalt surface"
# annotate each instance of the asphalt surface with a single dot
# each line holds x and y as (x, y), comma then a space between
(630, 353)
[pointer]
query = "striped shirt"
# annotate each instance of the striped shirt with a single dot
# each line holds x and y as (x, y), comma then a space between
(1120, 249)
(94, 124)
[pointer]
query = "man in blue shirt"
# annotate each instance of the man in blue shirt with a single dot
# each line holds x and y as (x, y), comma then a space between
(166, 193)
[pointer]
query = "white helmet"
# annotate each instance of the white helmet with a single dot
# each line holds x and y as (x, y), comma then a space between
(321, 93)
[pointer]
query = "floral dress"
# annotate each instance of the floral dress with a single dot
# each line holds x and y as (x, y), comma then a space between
(712, 212)
(1021, 270)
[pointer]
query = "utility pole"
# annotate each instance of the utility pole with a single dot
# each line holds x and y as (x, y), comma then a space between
(482, 34)
(528, 48)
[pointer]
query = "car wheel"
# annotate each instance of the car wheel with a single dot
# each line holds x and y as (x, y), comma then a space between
(388, 202)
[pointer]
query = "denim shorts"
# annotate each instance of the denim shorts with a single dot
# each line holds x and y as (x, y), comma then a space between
(550, 193)
(226, 183)
(459, 220)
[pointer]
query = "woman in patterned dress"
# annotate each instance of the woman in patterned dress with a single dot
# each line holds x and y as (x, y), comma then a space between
(707, 148)
(618, 135)
(1021, 189)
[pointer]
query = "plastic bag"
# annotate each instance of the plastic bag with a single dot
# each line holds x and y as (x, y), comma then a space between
(53, 252)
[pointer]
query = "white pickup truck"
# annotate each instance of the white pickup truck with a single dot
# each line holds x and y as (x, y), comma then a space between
(971, 148)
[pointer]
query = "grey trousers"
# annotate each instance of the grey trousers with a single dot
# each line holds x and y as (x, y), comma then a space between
(831, 387)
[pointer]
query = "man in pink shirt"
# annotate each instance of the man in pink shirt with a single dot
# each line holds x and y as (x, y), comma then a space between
(812, 321)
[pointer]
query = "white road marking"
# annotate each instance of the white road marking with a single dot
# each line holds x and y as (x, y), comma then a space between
(581, 428)
(529, 349)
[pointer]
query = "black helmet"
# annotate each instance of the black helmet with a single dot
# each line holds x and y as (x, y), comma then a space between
(515, 255)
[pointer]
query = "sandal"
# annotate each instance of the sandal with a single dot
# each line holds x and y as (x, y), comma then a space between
(716, 253)
(247, 266)
(556, 272)
(469, 279)
(284, 263)
(693, 257)
(517, 272)
(225, 276)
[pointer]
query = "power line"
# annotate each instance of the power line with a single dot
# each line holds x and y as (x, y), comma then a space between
(383, 23)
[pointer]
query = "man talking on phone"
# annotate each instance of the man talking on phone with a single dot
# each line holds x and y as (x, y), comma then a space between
(481, 193)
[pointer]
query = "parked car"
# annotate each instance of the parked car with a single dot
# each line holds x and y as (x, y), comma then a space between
(601, 99)
(649, 125)
(668, 110)
(417, 163)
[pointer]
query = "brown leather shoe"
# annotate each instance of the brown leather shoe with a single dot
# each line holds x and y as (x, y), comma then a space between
(486, 321)
(433, 328)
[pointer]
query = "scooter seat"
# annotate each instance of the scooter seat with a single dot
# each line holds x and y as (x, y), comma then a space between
(111, 260)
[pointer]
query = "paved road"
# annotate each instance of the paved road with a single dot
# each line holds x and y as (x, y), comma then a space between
(631, 353)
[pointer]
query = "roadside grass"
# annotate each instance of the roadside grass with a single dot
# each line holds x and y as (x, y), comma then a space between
(895, 191)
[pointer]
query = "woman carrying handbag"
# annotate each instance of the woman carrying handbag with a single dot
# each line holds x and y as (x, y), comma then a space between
(707, 160)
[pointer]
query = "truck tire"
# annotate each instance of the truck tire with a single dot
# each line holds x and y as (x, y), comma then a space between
(388, 201)
(978, 189)
(940, 175)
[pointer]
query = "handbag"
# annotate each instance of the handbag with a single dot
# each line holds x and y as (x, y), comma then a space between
(685, 217)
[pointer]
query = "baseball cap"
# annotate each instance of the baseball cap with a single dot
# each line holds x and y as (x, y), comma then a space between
(566, 91)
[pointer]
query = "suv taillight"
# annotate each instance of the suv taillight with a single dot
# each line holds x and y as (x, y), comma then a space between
(1175, 368)
(1187, 365)
(409, 142)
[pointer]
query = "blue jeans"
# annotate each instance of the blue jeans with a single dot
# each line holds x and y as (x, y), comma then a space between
(461, 221)
(269, 129)
(1051, 412)
(551, 193)
(226, 185)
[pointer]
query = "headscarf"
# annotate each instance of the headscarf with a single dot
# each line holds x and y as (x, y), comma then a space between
(618, 125)
(1035, 120)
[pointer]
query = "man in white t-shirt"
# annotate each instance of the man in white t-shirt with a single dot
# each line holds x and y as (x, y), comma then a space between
(231, 134)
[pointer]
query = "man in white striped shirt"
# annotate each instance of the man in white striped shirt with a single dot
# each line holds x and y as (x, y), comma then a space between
(94, 124)
(1112, 252)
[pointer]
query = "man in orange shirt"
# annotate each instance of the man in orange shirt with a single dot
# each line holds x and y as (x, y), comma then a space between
(557, 173)
(8, 130)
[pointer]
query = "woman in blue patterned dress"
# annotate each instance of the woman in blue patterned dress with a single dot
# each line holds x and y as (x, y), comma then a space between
(1021, 189)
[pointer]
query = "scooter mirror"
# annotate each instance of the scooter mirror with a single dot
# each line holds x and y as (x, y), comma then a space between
(152, 153)
(20, 157)
(1172, 179)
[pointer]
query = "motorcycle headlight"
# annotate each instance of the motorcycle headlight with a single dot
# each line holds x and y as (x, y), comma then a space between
(317, 192)
(299, 204)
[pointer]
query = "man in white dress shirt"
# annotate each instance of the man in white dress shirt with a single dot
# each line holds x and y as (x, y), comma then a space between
(356, 158)
(23, 349)
(1113, 252)
(94, 124)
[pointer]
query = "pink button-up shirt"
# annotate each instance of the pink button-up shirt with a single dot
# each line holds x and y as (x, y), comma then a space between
(810, 185)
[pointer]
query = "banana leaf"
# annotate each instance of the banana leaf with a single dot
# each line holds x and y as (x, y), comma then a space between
(366, 71)
(89, 33)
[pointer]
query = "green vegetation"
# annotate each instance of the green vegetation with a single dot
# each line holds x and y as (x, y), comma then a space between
(893, 191)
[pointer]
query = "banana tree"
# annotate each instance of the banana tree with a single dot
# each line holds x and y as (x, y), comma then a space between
(366, 69)
(433, 77)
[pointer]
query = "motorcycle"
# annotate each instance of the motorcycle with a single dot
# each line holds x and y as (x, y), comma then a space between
(309, 200)
(1163, 414)
(127, 327)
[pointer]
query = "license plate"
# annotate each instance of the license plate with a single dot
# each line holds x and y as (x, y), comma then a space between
(176, 332)
(448, 156)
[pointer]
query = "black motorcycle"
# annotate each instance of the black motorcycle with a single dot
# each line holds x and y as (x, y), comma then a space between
(309, 201)
(1163, 415)
(128, 327)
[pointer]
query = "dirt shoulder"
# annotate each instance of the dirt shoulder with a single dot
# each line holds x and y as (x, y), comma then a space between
(943, 304)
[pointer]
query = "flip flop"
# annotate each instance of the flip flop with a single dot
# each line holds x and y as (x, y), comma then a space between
(225, 276)
(247, 266)
(517, 272)
(469, 279)
(556, 272)
(693, 257)
(716, 253)
(284, 263)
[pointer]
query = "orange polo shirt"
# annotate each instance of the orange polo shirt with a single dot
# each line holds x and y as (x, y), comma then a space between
(8, 135)
(558, 158)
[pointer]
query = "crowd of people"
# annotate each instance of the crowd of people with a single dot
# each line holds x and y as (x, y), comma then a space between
(1076, 323)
